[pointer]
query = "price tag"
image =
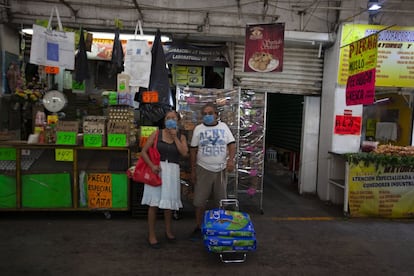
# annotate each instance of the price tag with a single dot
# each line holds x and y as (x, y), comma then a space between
(347, 125)
(7, 154)
(99, 188)
(64, 155)
(146, 131)
(92, 140)
(52, 70)
(150, 97)
(66, 138)
(117, 140)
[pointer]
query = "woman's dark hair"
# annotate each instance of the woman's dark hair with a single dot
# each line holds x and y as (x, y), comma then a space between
(176, 113)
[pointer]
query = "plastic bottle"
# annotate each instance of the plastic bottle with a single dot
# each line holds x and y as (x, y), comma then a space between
(40, 118)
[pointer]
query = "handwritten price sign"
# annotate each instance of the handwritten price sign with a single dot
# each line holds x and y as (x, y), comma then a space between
(7, 154)
(146, 131)
(345, 124)
(92, 140)
(64, 155)
(52, 70)
(117, 140)
(66, 138)
(99, 190)
(150, 97)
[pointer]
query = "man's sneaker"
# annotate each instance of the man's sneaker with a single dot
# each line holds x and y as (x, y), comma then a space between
(196, 235)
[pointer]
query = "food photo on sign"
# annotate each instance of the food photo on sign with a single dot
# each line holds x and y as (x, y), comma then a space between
(264, 48)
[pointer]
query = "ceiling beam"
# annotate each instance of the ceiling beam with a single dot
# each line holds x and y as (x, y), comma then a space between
(74, 12)
(140, 15)
(265, 8)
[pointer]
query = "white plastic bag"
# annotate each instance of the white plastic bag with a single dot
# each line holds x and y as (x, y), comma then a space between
(53, 47)
(137, 61)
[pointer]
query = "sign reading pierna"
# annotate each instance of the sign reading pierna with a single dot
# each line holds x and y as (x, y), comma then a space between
(360, 87)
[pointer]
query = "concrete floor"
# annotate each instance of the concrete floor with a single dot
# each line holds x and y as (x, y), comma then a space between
(296, 235)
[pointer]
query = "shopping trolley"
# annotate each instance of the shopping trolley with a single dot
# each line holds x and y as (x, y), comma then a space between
(228, 232)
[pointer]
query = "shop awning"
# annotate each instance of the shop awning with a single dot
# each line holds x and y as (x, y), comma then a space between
(185, 53)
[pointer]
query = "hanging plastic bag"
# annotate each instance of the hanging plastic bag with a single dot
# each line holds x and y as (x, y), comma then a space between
(138, 60)
(53, 47)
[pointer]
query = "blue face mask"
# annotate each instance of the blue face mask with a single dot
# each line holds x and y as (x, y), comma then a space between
(170, 123)
(208, 119)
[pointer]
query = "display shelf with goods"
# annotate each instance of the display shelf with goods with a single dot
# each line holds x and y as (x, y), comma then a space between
(121, 121)
(63, 177)
(190, 100)
(251, 148)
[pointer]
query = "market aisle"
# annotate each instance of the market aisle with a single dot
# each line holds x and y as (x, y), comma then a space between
(88, 244)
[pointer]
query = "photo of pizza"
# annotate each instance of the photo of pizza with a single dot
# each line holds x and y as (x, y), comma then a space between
(263, 62)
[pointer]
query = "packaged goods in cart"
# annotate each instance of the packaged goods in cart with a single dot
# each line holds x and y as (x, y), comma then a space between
(229, 233)
(220, 222)
(244, 242)
(224, 249)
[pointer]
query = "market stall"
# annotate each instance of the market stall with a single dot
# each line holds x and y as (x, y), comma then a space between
(370, 157)
(377, 184)
(63, 177)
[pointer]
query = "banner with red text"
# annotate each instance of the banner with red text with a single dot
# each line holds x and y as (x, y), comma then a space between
(360, 86)
(264, 48)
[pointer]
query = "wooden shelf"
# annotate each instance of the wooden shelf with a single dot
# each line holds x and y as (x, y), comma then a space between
(113, 160)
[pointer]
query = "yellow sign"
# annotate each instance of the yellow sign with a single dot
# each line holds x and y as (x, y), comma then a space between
(363, 55)
(395, 60)
(99, 190)
(64, 155)
(360, 87)
(381, 191)
(146, 131)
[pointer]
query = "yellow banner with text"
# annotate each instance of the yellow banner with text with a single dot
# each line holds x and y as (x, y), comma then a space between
(381, 190)
(395, 59)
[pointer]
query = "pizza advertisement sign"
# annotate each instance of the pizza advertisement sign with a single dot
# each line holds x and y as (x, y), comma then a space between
(264, 44)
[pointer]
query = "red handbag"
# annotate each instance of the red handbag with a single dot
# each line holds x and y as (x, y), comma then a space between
(143, 173)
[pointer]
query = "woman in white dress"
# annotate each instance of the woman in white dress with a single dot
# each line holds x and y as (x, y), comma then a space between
(171, 145)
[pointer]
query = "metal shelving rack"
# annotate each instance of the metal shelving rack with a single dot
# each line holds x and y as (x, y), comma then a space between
(189, 103)
(251, 149)
(244, 111)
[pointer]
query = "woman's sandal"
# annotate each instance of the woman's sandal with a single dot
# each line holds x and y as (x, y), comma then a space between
(156, 245)
(173, 239)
